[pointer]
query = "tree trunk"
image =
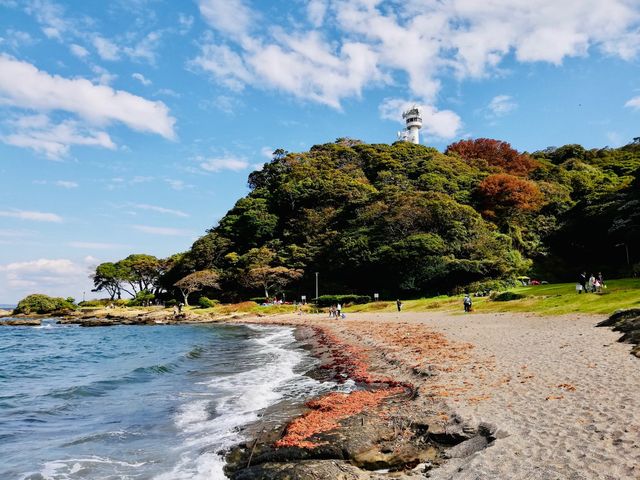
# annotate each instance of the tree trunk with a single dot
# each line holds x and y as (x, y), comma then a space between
(185, 295)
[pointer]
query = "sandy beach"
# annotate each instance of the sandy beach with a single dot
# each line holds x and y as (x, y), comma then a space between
(560, 395)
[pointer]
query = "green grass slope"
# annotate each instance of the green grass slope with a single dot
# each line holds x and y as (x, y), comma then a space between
(552, 299)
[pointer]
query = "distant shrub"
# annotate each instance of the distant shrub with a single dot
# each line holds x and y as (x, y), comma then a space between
(142, 298)
(103, 302)
(328, 300)
(205, 302)
(259, 300)
(488, 286)
(39, 303)
(172, 302)
(507, 297)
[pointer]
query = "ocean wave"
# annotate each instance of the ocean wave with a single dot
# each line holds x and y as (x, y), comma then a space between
(100, 388)
(82, 468)
(213, 425)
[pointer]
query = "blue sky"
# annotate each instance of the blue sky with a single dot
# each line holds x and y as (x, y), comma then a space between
(131, 128)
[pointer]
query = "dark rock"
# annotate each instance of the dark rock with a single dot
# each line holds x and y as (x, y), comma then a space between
(627, 322)
(304, 470)
(22, 322)
(468, 447)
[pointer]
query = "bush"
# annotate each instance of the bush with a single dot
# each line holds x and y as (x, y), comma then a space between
(259, 300)
(507, 297)
(142, 298)
(328, 300)
(205, 302)
(172, 302)
(488, 286)
(103, 302)
(39, 303)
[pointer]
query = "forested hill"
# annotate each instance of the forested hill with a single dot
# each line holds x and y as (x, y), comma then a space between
(405, 219)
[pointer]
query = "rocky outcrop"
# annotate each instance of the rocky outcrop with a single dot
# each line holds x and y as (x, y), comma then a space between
(20, 322)
(372, 445)
(627, 322)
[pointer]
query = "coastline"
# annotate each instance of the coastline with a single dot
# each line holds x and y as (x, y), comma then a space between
(489, 395)
(496, 395)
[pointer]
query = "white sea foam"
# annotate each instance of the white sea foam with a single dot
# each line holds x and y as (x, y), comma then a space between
(65, 469)
(213, 425)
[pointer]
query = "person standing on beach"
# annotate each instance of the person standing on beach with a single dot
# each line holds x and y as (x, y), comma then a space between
(399, 305)
(467, 302)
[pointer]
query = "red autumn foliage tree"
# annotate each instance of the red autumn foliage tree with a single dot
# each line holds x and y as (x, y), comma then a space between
(494, 153)
(503, 197)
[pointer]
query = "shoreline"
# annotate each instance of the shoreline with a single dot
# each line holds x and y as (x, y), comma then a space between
(522, 396)
(515, 395)
(378, 438)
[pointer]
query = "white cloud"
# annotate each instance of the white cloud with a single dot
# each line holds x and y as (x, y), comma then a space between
(141, 78)
(155, 208)
(107, 50)
(500, 105)
(31, 215)
(267, 152)
(231, 17)
(50, 16)
(437, 123)
(78, 50)
(225, 65)
(17, 38)
(54, 140)
(178, 185)
(224, 163)
(56, 277)
(165, 231)
(145, 49)
(97, 246)
(316, 10)
(98, 104)
(369, 42)
(103, 76)
(633, 103)
(67, 184)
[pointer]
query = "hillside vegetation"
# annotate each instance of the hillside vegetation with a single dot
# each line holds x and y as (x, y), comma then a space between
(406, 220)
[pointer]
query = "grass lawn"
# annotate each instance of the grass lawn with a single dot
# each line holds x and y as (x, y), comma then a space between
(552, 299)
(240, 308)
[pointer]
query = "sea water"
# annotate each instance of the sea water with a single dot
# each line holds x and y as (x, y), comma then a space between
(139, 402)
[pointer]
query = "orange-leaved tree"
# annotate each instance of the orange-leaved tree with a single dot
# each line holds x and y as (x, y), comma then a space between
(503, 197)
(494, 153)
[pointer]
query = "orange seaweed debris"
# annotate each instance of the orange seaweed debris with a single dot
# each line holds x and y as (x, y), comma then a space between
(567, 387)
(327, 411)
(554, 397)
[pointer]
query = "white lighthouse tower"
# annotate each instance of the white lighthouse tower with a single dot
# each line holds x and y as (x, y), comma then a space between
(414, 124)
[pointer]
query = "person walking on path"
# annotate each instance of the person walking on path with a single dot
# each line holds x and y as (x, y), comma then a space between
(467, 302)
(399, 305)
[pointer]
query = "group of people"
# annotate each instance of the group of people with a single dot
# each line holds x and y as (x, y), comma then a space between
(335, 311)
(591, 284)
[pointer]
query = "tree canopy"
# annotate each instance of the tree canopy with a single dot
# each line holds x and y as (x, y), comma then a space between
(405, 219)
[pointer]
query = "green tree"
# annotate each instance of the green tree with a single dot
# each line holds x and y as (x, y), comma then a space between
(197, 281)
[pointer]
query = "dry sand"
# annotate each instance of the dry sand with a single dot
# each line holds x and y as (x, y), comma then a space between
(563, 395)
